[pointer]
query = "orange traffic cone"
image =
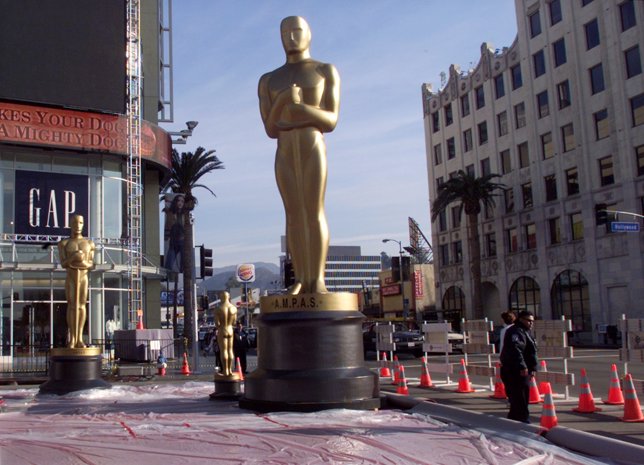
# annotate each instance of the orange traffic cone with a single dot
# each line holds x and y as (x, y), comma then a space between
(425, 379)
(499, 387)
(543, 385)
(615, 396)
(396, 373)
(240, 372)
(548, 414)
(402, 387)
(161, 371)
(139, 322)
(385, 372)
(464, 385)
(185, 368)
(632, 409)
(535, 398)
(586, 400)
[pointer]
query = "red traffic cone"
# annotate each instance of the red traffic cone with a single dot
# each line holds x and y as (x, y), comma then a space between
(543, 385)
(161, 371)
(499, 387)
(240, 372)
(586, 400)
(632, 409)
(385, 372)
(185, 368)
(615, 395)
(535, 398)
(548, 413)
(396, 373)
(402, 386)
(464, 385)
(139, 321)
(425, 379)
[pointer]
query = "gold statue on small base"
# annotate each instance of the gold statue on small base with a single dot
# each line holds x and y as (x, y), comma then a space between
(300, 101)
(225, 319)
(77, 257)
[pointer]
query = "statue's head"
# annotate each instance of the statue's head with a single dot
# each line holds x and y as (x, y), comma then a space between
(296, 34)
(77, 224)
(224, 296)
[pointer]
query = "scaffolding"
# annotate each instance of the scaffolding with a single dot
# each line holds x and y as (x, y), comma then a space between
(134, 182)
(420, 247)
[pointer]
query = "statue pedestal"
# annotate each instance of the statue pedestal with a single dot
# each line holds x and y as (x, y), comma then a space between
(226, 387)
(310, 356)
(74, 370)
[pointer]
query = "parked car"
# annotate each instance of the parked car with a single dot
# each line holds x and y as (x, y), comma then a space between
(407, 341)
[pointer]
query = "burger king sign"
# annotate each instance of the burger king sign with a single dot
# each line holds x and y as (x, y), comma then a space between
(246, 273)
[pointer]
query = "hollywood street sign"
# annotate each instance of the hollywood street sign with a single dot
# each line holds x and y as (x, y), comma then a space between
(622, 226)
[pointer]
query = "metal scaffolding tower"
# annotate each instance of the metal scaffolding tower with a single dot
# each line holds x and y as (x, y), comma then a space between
(134, 182)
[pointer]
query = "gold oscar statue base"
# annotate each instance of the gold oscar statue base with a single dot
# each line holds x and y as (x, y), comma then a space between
(226, 387)
(74, 370)
(310, 356)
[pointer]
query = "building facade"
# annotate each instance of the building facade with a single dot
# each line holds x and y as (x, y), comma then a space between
(559, 115)
(64, 150)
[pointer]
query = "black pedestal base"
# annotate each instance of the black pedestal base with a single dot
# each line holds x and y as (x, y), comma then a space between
(310, 361)
(70, 372)
(226, 388)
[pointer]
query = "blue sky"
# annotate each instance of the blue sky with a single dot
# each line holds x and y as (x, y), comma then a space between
(383, 50)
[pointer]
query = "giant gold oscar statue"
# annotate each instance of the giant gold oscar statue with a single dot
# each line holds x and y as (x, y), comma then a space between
(309, 340)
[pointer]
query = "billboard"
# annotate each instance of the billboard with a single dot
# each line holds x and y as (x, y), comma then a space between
(174, 231)
(64, 52)
(44, 202)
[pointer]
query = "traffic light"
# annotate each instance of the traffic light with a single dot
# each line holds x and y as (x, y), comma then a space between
(204, 302)
(601, 215)
(205, 262)
(289, 274)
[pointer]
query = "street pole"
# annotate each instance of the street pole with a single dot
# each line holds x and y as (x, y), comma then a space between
(195, 322)
(402, 283)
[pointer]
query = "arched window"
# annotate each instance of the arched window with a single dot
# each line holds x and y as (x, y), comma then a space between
(454, 306)
(524, 295)
(570, 299)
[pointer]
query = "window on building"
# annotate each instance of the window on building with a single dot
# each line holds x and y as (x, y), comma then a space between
(505, 161)
(535, 24)
(576, 226)
(539, 63)
(508, 196)
(482, 133)
(502, 123)
(512, 238)
(519, 115)
(453, 174)
(435, 122)
(442, 220)
(633, 62)
(469, 169)
(517, 79)
(451, 148)
(490, 245)
(499, 88)
(606, 172)
(568, 137)
(572, 181)
(547, 146)
(639, 158)
(449, 119)
(526, 192)
(559, 52)
(456, 217)
(485, 167)
(525, 293)
(563, 94)
(596, 78)
(585, 2)
(457, 249)
(554, 230)
(438, 155)
(467, 140)
(570, 298)
(637, 109)
(555, 12)
(627, 14)
(465, 105)
(522, 151)
(530, 236)
(592, 34)
(439, 182)
(551, 187)
(542, 104)
(444, 254)
(479, 93)
(602, 128)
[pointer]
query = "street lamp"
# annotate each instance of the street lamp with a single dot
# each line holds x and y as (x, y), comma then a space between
(402, 283)
(182, 136)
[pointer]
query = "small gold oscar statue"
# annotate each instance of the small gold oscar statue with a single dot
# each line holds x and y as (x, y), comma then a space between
(227, 383)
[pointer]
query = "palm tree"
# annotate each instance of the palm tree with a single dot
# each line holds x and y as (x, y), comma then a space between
(187, 169)
(472, 193)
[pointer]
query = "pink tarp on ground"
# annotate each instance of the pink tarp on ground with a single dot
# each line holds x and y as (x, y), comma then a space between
(176, 424)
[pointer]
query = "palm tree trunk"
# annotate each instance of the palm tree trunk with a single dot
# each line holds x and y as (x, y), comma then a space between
(474, 246)
(188, 257)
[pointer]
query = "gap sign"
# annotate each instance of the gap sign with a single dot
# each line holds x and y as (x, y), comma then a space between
(621, 226)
